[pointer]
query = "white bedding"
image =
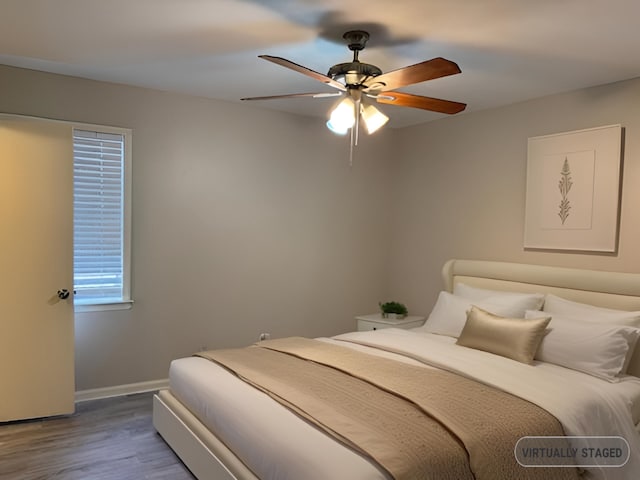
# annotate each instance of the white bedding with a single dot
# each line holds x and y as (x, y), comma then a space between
(245, 418)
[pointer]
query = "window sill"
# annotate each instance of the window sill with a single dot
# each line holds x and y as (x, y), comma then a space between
(104, 307)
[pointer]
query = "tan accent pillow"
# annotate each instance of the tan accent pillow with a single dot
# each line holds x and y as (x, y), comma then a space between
(515, 338)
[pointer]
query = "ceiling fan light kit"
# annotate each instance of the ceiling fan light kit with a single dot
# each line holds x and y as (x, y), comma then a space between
(361, 84)
(373, 118)
(342, 117)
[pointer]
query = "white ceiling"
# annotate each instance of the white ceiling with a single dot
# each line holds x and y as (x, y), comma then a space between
(508, 50)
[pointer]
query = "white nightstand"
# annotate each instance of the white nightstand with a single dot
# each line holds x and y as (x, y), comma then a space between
(376, 322)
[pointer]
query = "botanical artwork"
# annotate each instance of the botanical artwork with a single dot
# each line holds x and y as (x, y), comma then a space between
(573, 182)
(565, 185)
(566, 189)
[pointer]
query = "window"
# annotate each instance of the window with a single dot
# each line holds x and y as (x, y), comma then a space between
(101, 218)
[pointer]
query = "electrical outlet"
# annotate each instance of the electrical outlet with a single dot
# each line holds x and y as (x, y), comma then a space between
(264, 336)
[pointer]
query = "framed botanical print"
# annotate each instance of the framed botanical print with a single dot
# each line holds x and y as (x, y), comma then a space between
(573, 190)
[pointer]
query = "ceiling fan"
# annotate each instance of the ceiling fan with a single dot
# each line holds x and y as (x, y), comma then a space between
(362, 84)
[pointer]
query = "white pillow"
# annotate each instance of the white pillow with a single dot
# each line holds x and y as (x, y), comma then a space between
(478, 294)
(601, 350)
(589, 313)
(449, 314)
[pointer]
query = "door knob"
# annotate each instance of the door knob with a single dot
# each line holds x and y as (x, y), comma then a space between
(63, 294)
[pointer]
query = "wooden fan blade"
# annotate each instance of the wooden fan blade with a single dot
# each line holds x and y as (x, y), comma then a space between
(420, 72)
(283, 62)
(417, 101)
(296, 95)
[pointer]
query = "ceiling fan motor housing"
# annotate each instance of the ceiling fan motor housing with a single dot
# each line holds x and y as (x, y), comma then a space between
(353, 73)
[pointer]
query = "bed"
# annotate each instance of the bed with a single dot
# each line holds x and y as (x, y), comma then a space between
(224, 428)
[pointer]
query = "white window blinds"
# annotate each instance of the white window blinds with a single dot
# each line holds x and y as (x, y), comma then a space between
(98, 217)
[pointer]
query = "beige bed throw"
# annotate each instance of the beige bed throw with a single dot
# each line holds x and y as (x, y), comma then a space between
(416, 423)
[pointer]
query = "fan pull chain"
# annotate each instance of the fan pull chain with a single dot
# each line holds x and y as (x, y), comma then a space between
(355, 131)
(351, 140)
(357, 123)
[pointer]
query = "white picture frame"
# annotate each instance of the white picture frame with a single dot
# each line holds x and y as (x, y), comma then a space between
(573, 190)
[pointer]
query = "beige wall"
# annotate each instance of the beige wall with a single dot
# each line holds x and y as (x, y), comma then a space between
(247, 221)
(244, 221)
(460, 188)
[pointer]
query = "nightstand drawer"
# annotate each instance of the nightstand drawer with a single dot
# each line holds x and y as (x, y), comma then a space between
(365, 325)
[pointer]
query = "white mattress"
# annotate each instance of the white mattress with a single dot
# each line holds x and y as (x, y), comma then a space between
(246, 419)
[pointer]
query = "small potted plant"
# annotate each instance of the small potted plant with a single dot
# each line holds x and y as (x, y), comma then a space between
(393, 309)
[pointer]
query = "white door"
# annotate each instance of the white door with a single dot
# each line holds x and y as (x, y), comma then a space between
(36, 261)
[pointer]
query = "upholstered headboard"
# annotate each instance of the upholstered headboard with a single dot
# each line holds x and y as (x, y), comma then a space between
(603, 289)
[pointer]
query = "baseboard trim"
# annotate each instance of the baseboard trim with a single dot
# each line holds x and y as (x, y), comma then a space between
(120, 390)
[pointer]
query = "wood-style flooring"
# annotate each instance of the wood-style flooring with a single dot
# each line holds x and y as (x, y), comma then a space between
(110, 439)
